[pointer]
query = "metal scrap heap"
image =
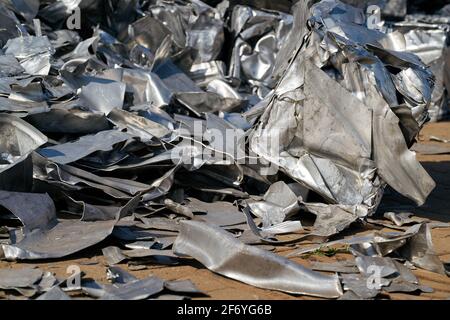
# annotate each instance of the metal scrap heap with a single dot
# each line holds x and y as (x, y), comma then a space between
(169, 130)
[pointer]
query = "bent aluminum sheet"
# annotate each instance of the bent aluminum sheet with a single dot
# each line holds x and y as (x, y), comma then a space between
(73, 151)
(35, 211)
(47, 237)
(65, 238)
(73, 178)
(249, 264)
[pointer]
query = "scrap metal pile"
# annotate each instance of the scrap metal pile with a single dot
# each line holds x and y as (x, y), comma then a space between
(162, 131)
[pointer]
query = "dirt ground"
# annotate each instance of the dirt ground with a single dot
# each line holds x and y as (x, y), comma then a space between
(437, 208)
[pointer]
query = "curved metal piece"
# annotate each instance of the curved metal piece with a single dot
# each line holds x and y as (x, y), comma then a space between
(220, 252)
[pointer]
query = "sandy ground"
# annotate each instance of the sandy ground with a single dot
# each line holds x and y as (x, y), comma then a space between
(215, 286)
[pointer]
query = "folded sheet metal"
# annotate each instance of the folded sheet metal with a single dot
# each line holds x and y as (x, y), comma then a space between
(259, 35)
(249, 264)
(331, 121)
(429, 37)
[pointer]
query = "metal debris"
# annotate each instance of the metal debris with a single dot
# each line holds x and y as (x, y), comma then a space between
(19, 278)
(54, 293)
(217, 131)
(241, 262)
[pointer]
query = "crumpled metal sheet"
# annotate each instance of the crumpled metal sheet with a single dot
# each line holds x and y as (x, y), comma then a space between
(279, 203)
(425, 31)
(253, 62)
(243, 263)
(429, 38)
(33, 53)
(326, 123)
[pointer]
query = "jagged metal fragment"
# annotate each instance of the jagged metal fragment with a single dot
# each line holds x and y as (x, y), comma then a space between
(366, 265)
(332, 219)
(113, 255)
